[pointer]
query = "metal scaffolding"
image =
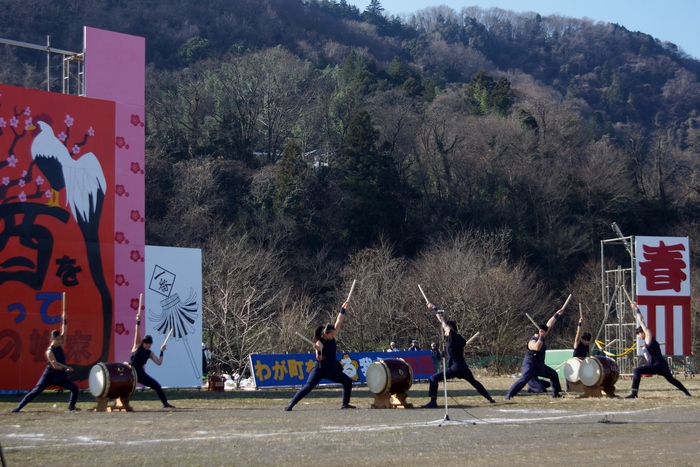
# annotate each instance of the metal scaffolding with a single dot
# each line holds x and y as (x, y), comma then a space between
(72, 64)
(618, 266)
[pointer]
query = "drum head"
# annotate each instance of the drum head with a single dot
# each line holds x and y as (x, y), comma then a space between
(591, 372)
(572, 367)
(98, 378)
(377, 377)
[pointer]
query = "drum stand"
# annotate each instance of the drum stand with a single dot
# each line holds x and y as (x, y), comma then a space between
(446, 420)
(391, 401)
(121, 404)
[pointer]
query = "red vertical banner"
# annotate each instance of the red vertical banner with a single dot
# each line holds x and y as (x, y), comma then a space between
(663, 290)
(56, 230)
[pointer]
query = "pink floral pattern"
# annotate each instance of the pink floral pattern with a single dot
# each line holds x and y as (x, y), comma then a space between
(120, 142)
(120, 329)
(135, 256)
(136, 168)
(119, 237)
(120, 191)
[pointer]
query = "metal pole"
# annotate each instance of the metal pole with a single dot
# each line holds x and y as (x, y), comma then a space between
(48, 64)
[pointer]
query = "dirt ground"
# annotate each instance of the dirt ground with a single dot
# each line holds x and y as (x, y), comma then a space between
(249, 428)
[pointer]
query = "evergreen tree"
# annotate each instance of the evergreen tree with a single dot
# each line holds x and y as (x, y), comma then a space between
(290, 183)
(371, 181)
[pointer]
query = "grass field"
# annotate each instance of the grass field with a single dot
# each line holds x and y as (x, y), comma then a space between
(246, 428)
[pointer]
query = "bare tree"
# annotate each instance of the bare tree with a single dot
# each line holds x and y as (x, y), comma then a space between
(470, 277)
(243, 291)
(376, 316)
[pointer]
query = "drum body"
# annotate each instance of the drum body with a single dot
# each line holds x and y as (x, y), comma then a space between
(572, 369)
(112, 380)
(389, 376)
(599, 371)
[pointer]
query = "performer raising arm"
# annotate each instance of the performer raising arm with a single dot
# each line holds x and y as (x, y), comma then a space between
(140, 353)
(456, 366)
(326, 364)
(582, 343)
(56, 372)
(657, 364)
(533, 363)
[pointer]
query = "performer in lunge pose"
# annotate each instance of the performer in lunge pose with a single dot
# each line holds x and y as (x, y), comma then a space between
(140, 354)
(56, 372)
(326, 367)
(533, 364)
(657, 363)
(456, 366)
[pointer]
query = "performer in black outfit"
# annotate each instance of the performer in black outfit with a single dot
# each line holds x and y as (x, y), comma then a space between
(582, 343)
(56, 372)
(657, 364)
(327, 367)
(456, 366)
(533, 364)
(140, 354)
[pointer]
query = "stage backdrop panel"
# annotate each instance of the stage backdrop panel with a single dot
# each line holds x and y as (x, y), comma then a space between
(115, 69)
(173, 301)
(663, 291)
(56, 230)
(279, 370)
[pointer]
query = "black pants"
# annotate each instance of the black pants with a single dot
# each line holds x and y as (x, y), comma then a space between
(533, 370)
(146, 380)
(317, 374)
(47, 379)
(660, 369)
(457, 370)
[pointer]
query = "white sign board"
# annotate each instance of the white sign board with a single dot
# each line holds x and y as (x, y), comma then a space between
(663, 291)
(174, 302)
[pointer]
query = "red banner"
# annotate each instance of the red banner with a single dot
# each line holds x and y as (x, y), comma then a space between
(56, 230)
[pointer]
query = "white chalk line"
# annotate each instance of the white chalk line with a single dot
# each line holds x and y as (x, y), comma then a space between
(81, 441)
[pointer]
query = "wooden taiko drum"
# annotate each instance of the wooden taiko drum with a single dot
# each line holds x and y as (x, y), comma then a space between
(599, 371)
(389, 376)
(112, 380)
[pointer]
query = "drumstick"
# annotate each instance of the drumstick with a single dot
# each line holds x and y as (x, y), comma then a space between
(140, 299)
(533, 321)
(566, 302)
(304, 337)
(351, 289)
(168, 336)
(580, 311)
(64, 304)
(610, 343)
(424, 296)
(472, 338)
(628, 295)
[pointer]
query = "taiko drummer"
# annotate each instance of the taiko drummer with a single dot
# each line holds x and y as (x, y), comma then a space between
(582, 342)
(456, 366)
(327, 366)
(534, 361)
(657, 363)
(140, 354)
(56, 372)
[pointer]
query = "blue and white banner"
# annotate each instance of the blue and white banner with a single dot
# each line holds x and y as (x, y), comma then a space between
(279, 370)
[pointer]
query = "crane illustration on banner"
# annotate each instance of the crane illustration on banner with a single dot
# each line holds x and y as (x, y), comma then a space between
(176, 315)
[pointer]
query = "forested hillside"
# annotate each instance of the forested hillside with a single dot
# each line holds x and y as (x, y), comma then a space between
(481, 153)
